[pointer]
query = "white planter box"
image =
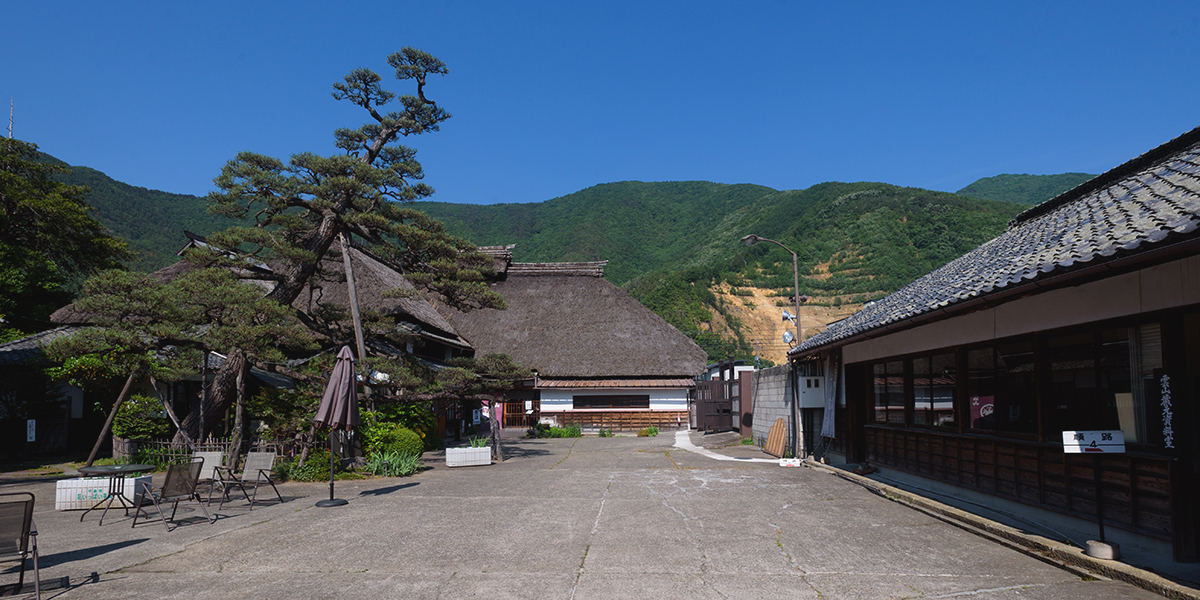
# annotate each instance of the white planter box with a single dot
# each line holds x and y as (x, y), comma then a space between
(466, 457)
(85, 492)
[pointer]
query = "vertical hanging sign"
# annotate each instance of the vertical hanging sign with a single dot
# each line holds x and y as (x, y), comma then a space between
(1168, 431)
(31, 430)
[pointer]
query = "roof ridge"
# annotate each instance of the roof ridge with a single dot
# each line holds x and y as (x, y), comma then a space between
(1141, 162)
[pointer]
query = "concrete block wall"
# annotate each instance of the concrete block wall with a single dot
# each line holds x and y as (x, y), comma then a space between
(772, 399)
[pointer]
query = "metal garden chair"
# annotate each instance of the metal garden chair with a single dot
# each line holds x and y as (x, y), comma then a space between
(256, 471)
(179, 486)
(208, 474)
(18, 535)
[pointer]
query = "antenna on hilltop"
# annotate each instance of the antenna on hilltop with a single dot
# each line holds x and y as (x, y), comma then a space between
(10, 115)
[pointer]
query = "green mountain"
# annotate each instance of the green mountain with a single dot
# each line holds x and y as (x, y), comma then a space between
(638, 227)
(1024, 189)
(151, 220)
(671, 244)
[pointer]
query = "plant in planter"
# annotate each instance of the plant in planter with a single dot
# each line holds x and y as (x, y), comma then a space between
(477, 454)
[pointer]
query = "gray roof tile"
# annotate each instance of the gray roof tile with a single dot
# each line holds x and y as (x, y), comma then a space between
(1149, 201)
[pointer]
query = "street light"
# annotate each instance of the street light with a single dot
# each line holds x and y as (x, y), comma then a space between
(751, 240)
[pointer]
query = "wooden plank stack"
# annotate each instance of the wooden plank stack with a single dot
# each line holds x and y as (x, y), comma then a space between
(776, 438)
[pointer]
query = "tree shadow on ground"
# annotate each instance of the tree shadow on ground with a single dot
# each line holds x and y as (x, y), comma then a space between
(387, 490)
(62, 558)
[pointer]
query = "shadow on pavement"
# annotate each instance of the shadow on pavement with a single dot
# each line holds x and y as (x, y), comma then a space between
(62, 558)
(387, 490)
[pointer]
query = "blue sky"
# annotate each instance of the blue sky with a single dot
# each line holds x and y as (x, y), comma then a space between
(552, 97)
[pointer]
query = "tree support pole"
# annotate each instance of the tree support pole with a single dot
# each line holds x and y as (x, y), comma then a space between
(171, 413)
(112, 414)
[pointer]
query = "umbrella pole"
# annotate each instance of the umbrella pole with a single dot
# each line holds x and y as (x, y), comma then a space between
(331, 501)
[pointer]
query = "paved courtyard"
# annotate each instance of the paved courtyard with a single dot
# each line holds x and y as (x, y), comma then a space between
(564, 518)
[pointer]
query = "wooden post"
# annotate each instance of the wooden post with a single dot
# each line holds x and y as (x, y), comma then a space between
(112, 414)
(171, 414)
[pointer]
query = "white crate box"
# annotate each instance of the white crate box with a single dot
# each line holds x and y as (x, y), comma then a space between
(83, 493)
(466, 457)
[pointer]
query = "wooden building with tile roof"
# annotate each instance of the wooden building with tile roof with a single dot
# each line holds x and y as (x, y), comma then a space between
(1084, 315)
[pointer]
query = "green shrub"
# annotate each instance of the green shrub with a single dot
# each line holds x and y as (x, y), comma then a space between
(651, 431)
(393, 464)
(605, 432)
(543, 430)
(382, 438)
(316, 467)
(141, 418)
(478, 441)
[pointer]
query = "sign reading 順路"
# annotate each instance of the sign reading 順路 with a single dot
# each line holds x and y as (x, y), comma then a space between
(1102, 441)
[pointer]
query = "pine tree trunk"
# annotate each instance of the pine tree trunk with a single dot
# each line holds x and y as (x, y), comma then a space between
(223, 394)
(239, 422)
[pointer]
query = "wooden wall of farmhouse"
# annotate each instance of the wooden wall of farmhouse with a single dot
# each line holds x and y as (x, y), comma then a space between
(1135, 489)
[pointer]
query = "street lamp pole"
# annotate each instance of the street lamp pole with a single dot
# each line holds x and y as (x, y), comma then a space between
(751, 240)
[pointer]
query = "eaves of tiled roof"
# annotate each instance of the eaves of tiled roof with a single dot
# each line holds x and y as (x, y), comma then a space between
(1145, 210)
(28, 350)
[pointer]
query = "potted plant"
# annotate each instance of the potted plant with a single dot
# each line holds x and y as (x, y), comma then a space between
(478, 453)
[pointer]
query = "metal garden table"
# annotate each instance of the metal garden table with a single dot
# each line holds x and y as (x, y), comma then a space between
(116, 485)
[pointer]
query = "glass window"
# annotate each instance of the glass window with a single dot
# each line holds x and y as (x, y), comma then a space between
(1076, 399)
(1016, 388)
(981, 388)
(610, 401)
(922, 391)
(889, 392)
(943, 384)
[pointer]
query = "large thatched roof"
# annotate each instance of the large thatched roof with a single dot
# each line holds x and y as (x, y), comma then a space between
(572, 323)
(372, 278)
(372, 281)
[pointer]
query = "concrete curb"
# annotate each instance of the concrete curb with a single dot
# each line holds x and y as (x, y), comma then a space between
(1037, 546)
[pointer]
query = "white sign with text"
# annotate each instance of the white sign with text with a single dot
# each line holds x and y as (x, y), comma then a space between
(1109, 441)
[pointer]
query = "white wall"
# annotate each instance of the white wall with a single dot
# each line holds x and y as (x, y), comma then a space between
(1169, 285)
(560, 399)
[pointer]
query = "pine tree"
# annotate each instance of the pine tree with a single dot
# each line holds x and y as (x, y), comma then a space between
(299, 208)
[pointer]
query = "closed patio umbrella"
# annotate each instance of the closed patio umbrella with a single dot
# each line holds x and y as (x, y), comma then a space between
(338, 409)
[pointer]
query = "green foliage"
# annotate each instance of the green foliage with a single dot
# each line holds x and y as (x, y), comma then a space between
(315, 468)
(639, 227)
(48, 236)
(151, 220)
(417, 417)
(300, 206)
(650, 431)
(1024, 189)
(141, 418)
(393, 464)
(386, 438)
(544, 430)
(284, 412)
(605, 432)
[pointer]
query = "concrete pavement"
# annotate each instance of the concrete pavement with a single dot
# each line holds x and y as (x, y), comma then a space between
(560, 518)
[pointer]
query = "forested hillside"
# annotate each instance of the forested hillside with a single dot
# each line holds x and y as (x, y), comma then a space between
(1024, 189)
(638, 227)
(675, 246)
(151, 220)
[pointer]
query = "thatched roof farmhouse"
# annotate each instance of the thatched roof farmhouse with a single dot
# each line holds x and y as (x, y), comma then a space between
(602, 358)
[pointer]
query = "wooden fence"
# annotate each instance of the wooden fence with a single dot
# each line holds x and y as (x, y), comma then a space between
(166, 451)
